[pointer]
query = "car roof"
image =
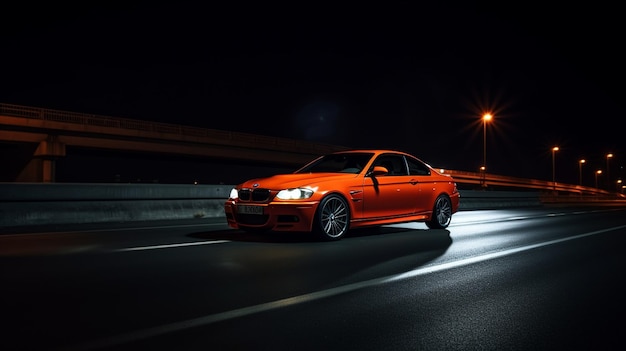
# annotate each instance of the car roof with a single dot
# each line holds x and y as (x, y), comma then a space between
(375, 151)
(371, 150)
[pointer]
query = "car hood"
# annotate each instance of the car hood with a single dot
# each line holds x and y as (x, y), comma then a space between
(286, 181)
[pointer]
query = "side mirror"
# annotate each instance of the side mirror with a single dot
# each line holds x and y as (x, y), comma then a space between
(379, 170)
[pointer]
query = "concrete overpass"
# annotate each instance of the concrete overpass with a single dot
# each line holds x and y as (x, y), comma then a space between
(46, 133)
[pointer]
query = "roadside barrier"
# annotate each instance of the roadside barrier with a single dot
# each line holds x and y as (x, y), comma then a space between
(27, 204)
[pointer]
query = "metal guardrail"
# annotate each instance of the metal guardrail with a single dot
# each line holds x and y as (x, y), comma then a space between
(491, 180)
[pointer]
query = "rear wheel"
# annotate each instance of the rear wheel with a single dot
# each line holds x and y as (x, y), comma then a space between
(442, 213)
(332, 218)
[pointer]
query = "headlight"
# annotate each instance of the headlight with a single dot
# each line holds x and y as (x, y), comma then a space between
(233, 194)
(294, 194)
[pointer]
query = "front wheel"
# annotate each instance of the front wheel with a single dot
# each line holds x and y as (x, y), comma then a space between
(442, 213)
(332, 218)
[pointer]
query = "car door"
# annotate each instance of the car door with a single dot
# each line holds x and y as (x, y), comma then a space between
(420, 173)
(391, 194)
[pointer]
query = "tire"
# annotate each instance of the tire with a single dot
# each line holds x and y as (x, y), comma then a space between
(442, 213)
(332, 218)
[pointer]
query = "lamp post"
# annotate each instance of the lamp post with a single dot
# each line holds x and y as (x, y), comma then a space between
(608, 178)
(580, 172)
(554, 150)
(598, 172)
(486, 118)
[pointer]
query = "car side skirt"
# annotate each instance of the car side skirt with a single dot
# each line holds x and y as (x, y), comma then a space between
(414, 217)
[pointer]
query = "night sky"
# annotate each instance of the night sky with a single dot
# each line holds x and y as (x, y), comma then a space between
(410, 77)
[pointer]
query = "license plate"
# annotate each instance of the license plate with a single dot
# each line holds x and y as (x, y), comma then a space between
(256, 210)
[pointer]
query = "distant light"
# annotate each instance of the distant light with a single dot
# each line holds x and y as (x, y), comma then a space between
(487, 117)
(599, 171)
(556, 148)
(442, 170)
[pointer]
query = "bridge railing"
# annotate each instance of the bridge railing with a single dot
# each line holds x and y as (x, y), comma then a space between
(260, 141)
(499, 181)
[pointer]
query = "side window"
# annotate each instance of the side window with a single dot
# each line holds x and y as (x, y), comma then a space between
(416, 167)
(394, 164)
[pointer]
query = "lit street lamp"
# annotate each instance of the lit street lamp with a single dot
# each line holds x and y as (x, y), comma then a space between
(598, 172)
(554, 150)
(608, 179)
(486, 118)
(483, 180)
(580, 172)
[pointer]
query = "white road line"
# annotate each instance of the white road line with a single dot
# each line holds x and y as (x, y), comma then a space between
(246, 311)
(168, 246)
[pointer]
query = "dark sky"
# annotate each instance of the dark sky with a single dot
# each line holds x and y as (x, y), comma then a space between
(399, 75)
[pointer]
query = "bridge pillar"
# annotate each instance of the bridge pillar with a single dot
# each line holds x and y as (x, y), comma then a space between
(42, 167)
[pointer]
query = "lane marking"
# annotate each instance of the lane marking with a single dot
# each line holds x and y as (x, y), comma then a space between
(290, 301)
(168, 246)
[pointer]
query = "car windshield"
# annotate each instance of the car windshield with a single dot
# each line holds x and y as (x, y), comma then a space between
(340, 162)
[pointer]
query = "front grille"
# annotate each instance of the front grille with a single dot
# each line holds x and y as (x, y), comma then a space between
(256, 195)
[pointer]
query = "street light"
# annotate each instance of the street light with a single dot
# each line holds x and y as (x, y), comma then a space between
(598, 172)
(580, 172)
(483, 180)
(486, 118)
(608, 179)
(554, 150)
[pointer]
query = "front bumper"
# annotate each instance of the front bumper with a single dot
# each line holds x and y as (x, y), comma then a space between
(277, 216)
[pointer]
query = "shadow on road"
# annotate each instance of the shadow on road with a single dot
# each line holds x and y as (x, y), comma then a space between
(306, 237)
(364, 254)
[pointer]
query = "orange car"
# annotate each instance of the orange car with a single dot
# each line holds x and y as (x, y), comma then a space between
(344, 190)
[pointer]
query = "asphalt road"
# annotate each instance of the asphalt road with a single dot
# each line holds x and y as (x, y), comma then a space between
(542, 279)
